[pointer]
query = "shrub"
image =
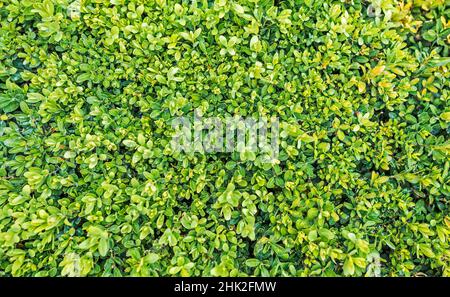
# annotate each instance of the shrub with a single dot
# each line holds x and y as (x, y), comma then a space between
(89, 181)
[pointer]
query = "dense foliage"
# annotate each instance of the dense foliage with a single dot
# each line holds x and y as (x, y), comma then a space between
(90, 185)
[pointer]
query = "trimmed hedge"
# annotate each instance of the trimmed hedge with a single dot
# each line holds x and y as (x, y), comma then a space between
(90, 185)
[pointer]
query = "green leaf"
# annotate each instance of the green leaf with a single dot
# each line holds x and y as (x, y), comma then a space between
(326, 234)
(151, 258)
(129, 143)
(439, 62)
(349, 267)
(252, 262)
(103, 247)
(34, 97)
(445, 116)
(312, 235)
(83, 77)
